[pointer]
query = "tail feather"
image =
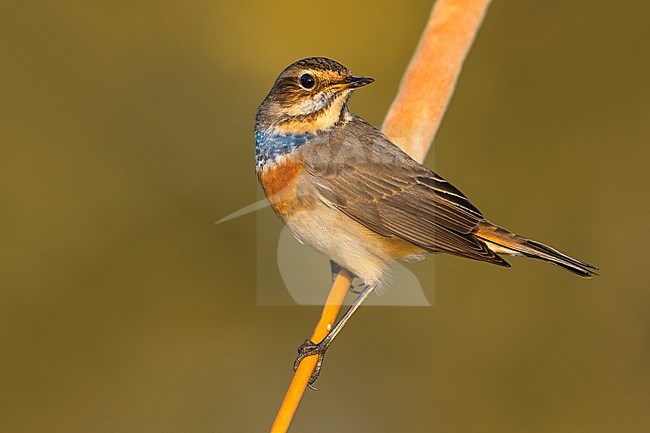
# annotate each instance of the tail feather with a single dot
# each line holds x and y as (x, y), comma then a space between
(529, 248)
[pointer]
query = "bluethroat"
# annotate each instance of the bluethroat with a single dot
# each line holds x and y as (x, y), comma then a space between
(342, 187)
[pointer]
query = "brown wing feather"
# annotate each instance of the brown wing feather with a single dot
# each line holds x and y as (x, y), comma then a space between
(382, 188)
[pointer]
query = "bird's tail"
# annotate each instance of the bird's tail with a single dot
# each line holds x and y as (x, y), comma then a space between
(504, 242)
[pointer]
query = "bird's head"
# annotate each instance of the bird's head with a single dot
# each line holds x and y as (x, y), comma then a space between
(309, 96)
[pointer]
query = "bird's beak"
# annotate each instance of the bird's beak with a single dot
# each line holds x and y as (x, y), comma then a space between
(354, 82)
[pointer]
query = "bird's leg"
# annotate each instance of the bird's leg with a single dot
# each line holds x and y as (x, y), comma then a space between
(309, 348)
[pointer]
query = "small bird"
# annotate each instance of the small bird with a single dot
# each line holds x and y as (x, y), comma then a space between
(342, 187)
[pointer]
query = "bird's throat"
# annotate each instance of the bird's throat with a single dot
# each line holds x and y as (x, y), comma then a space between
(313, 122)
(271, 147)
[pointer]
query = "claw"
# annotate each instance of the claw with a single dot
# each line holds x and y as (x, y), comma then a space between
(309, 348)
(353, 287)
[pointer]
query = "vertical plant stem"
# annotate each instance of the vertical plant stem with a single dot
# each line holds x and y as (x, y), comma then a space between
(306, 367)
(430, 78)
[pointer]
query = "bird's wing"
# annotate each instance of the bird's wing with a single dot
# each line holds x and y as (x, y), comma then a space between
(385, 190)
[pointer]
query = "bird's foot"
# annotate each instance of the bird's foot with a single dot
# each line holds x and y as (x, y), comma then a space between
(356, 284)
(309, 348)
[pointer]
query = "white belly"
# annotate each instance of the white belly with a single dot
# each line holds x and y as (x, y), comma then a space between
(343, 240)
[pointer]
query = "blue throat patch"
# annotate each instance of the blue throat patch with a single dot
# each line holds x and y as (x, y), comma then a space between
(270, 147)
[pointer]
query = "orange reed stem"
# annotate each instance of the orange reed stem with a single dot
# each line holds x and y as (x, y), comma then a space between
(306, 367)
(430, 78)
(411, 123)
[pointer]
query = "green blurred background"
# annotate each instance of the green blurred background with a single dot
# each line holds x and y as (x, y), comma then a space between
(126, 132)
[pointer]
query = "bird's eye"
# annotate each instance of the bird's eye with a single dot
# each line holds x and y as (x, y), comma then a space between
(307, 81)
